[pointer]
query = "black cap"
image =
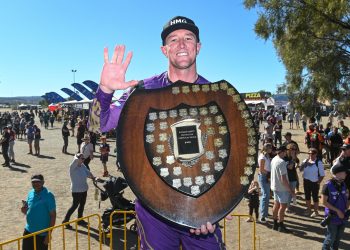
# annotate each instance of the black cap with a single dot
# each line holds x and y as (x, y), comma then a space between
(342, 165)
(345, 146)
(37, 177)
(179, 22)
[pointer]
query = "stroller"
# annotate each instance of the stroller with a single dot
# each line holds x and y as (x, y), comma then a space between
(113, 189)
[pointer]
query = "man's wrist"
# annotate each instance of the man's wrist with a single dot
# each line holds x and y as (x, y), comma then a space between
(106, 90)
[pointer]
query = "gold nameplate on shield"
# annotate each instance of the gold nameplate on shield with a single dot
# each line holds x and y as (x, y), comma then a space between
(188, 151)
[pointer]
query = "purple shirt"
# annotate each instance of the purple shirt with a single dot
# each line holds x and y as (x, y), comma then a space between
(109, 113)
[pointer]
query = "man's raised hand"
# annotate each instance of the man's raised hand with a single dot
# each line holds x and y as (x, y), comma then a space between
(113, 72)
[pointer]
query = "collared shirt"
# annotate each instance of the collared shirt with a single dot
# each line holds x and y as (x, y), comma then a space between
(40, 205)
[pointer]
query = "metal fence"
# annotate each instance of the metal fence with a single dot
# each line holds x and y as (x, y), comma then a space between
(106, 236)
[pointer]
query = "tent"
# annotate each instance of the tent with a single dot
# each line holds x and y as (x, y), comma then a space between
(53, 107)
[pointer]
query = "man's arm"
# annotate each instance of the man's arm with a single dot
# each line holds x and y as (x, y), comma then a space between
(285, 183)
(104, 115)
(324, 199)
(52, 223)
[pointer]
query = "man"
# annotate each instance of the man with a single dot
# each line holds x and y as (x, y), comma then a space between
(5, 142)
(78, 174)
(181, 45)
(30, 137)
(288, 137)
(343, 130)
(40, 211)
(335, 198)
(65, 135)
(335, 141)
(281, 188)
(11, 151)
(87, 150)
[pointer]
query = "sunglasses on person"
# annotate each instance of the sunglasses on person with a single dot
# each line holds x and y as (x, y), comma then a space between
(312, 153)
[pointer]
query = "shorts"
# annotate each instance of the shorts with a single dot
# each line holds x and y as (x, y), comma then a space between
(281, 196)
(30, 141)
(104, 158)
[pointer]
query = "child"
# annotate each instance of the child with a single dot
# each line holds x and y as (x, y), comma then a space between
(104, 150)
(253, 192)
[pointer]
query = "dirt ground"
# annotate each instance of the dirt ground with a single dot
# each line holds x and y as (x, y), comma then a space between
(15, 183)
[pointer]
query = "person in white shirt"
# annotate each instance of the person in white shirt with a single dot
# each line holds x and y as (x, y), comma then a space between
(313, 174)
(78, 174)
(281, 188)
(87, 149)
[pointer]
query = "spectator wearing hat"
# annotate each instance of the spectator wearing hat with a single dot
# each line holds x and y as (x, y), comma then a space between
(78, 173)
(281, 188)
(335, 198)
(104, 150)
(180, 45)
(313, 174)
(40, 211)
(87, 149)
(65, 135)
(5, 142)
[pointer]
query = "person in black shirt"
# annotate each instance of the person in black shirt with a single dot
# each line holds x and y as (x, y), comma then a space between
(293, 161)
(5, 142)
(253, 193)
(335, 142)
(65, 135)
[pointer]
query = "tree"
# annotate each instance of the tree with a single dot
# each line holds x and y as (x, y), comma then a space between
(312, 38)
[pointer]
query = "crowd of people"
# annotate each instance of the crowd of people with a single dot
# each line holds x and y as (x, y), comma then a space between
(280, 165)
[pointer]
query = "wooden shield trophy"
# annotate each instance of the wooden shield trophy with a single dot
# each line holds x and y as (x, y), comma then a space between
(188, 151)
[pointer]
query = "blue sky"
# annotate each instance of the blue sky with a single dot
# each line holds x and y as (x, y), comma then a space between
(42, 41)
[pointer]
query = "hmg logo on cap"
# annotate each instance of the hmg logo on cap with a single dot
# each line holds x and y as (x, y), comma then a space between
(172, 22)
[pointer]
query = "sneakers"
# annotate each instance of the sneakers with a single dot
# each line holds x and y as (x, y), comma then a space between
(82, 223)
(68, 226)
(314, 214)
(307, 213)
(263, 220)
(250, 219)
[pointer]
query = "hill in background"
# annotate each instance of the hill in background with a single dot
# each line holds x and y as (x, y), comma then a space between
(21, 99)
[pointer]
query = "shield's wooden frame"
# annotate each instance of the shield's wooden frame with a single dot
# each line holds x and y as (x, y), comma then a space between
(153, 192)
